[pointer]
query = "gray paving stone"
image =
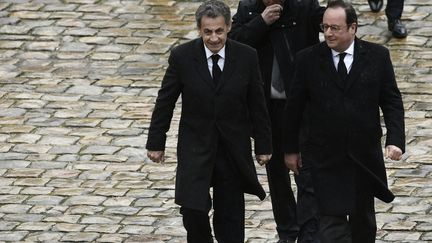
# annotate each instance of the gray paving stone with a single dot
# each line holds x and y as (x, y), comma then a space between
(84, 122)
(106, 114)
(78, 31)
(45, 200)
(80, 237)
(66, 183)
(137, 230)
(13, 235)
(66, 227)
(85, 210)
(23, 217)
(65, 149)
(95, 175)
(10, 29)
(114, 123)
(7, 226)
(10, 164)
(48, 210)
(95, 166)
(403, 236)
(84, 200)
(44, 237)
(35, 226)
(96, 149)
(102, 219)
(14, 208)
(102, 228)
(24, 138)
(37, 190)
(85, 90)
(112, 238)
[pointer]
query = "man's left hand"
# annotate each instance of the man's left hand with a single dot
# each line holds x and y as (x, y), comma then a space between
(393, 152)
(263, 159)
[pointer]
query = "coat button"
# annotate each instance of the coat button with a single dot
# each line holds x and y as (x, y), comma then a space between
(250, 13)
(294, 23)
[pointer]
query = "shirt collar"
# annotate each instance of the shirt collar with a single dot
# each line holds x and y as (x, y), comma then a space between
(209, 53)
(349, 51)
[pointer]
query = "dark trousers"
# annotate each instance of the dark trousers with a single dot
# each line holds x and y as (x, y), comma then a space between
(394, 9)
(228, 205)
(292, 220)
(357, 227)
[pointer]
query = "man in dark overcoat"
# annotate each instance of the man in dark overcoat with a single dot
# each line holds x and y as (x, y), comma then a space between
(341, 85)
(223, 106)
(278, 29)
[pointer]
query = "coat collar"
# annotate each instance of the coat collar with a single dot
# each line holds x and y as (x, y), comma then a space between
(360, 59)
(202, 67)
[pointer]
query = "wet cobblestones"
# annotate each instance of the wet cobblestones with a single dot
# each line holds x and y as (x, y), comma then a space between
(78, 79)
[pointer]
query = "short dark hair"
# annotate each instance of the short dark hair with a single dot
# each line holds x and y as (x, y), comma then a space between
(351, 15)
(213, 9)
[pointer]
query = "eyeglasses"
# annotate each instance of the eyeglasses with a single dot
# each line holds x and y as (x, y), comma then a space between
(333, 28)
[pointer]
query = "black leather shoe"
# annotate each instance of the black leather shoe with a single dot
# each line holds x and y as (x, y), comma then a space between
(397, 28)
(375, 5)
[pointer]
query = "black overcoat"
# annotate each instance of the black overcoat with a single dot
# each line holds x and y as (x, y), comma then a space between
(344, 134)
(230, 113)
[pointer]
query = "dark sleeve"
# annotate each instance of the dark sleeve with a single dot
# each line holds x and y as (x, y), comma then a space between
(165, 104)
(317, 13)
(295, 105)
(248, 27)
(392, 106)
(261, 127)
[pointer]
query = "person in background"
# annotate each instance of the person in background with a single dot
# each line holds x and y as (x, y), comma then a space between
(393, 12)
(342, 84)
(278, 29)
(223, 106)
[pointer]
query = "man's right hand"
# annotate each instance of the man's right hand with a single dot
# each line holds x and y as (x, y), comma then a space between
(156, 156)
(293, 162)
(272, 13)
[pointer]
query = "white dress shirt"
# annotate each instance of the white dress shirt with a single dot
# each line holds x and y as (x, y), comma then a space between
(349, 58)
(221, 61)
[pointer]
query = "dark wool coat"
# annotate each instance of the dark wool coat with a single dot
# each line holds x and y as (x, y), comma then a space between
(344, 133)
(230, 113)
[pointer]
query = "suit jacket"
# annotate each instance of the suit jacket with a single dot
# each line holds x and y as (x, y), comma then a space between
(297, 28)
(344, 136)
(230, 113)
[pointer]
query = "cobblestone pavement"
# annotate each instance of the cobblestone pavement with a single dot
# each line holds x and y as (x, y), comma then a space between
(78, 79)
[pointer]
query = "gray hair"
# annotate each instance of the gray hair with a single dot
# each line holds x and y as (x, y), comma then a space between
(213, 9)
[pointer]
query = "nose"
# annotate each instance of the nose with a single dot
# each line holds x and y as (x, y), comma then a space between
(213, 37)
(327, 32)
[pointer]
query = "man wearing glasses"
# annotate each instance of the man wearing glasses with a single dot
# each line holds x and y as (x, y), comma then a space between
(341, 85)
(278, 29)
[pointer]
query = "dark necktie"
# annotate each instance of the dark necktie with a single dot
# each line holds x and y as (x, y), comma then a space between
(342, 70)
(216, 71)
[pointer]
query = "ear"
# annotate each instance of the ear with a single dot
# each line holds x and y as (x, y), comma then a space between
(353, 27)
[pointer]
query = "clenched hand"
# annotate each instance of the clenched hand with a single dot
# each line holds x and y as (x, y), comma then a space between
(156, 156)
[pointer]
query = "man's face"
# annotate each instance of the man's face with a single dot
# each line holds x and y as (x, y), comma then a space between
(214, 32)
(337, 34)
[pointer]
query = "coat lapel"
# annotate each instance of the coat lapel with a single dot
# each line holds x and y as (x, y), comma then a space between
(328, 65)
(229, 66)
(360, 58)
(201, 63)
